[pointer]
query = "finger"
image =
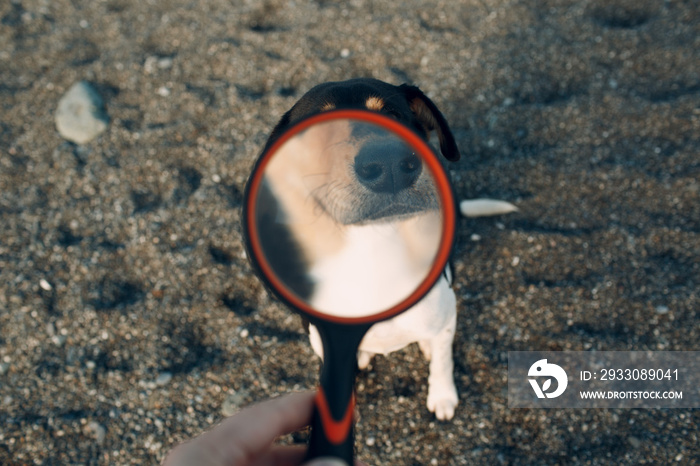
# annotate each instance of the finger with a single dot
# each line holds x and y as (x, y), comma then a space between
(249, 433)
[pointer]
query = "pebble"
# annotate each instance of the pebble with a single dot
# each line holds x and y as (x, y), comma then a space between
(45, 285)
(98, 431)
(80, 116)
(153, 64)
(232, 403)
(661, 310)
(634, 442)
(59, 340)
(164, 378)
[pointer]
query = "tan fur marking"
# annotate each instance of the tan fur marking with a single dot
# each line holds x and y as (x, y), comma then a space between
(328, 106)
(426, 118)
(374, 103)
(424, 115)
(301, 166)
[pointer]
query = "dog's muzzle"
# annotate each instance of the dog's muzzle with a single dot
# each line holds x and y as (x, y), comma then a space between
(390, 183)
(382, 181)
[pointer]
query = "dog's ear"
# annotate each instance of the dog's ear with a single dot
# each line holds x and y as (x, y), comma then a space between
(431, 118)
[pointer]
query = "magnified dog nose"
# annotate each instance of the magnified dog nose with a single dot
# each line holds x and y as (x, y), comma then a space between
(387, 166)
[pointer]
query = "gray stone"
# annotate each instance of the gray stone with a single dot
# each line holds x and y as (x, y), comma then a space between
(80, 116)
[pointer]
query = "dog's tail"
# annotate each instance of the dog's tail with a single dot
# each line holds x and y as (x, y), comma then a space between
(485, 207)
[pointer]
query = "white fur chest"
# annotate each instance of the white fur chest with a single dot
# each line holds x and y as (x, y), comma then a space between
(370, 273)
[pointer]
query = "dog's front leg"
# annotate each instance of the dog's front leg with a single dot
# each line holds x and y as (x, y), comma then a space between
(315, 339)
(363, 357)
(442, 393)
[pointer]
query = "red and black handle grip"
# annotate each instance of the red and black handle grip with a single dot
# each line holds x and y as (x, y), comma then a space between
(332, 433)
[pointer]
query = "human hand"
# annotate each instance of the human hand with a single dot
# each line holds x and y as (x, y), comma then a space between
(246, 438)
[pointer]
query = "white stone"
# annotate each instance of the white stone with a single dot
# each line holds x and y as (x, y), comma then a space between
(80, 116)
(485, 207)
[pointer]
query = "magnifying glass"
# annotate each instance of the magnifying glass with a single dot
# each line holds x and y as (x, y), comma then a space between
(349, 219)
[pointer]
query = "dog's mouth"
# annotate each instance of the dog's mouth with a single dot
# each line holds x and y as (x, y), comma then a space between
(389, 210)
(354, 204)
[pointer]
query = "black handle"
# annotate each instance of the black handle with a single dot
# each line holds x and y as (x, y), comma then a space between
(332, 422)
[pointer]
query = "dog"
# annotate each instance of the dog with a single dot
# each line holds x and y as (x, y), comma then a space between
(364, 196)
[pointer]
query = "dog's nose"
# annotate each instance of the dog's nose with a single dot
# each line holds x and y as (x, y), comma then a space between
(387, 166)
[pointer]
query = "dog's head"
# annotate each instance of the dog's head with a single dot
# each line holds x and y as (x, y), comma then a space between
(407, 104)
(356, 172)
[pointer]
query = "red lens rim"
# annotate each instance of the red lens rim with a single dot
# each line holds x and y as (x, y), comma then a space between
(444, 189)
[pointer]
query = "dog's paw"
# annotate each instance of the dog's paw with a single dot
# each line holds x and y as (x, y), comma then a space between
(442, 402)
(363, 359)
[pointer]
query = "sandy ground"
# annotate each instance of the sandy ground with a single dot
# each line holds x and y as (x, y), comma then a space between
(130, 317)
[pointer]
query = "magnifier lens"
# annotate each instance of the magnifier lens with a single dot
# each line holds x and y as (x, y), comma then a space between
(348, 217)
